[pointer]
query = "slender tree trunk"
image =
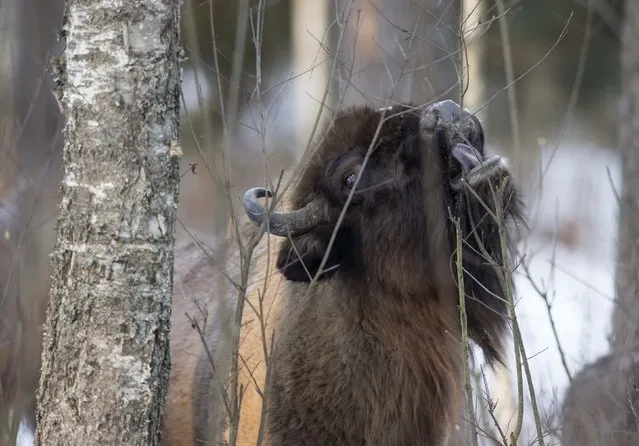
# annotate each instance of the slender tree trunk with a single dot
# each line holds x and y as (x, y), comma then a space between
(105, 361)
(309, 22)
(626, 314)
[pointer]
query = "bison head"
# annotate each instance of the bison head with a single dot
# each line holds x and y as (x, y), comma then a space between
(403, 172)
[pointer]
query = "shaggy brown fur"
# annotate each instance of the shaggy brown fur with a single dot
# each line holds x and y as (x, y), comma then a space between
(369, 354)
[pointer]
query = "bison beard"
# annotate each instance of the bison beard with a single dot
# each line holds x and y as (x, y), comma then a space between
(369, 353)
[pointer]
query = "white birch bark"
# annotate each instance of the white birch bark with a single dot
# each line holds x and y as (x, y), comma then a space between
(105, 361)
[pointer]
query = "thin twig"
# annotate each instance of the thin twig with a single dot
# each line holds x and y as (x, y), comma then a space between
(544, 295)
(464, 329)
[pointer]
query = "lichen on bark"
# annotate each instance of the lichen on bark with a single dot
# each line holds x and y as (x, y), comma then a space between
(105, 361)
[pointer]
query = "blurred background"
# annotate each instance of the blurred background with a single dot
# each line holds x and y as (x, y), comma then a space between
(543, 76)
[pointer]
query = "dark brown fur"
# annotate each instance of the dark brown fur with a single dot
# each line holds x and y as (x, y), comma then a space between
(369, 354)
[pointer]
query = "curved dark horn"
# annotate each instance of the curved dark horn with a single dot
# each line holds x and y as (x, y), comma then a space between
(282, 224)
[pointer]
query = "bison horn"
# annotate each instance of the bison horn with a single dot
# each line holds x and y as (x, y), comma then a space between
(281, 224)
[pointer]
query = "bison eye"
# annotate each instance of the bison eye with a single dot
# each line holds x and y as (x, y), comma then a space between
(349, 180)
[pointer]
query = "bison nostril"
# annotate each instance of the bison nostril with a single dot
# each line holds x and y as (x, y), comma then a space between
(446, 124)
(449, 111)
(445, 114)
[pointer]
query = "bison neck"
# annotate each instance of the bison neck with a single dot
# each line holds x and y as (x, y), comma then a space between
(368, 369)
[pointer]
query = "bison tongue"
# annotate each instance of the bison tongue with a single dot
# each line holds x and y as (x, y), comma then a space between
(462, 160)
(466, 156)
(479, 172)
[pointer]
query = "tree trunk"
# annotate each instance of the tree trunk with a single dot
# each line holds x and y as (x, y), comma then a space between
(309, 23)
(626, 314)
(105, 362)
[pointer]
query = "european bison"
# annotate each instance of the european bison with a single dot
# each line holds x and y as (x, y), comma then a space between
(369, 352)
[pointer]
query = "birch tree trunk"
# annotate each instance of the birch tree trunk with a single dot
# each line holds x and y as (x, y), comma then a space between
(105, 361)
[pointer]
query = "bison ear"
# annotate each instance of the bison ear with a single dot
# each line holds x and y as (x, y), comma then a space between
(300, 257)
